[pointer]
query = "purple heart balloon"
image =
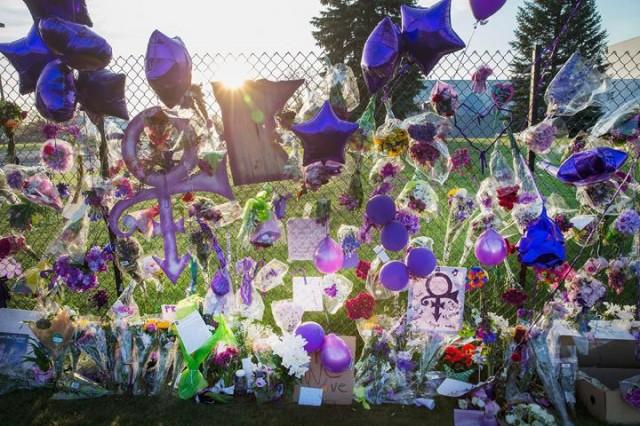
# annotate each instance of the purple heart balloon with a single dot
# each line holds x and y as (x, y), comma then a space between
(28, 55)
(336, 356)
(70, 10)
(324, 137)
(56, 92)
(313, 333)
(483, 9)
(75, 44)
(428, 35)
(381, 55)
(167, 66)
(102, 93)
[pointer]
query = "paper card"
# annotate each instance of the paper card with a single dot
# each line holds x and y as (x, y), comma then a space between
(455, 388)
(381, 253)
(193, 331)
(307, 293)
(611, 330)
(310, 396)
(14, 336)
(337, 389)
(303, 237)
(168, 312)
(437, 301)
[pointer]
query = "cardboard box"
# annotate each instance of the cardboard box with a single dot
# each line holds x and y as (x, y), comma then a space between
(601, 396)
(337, 388)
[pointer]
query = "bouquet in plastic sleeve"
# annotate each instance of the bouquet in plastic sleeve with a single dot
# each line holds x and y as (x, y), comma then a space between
(74, 386)
(385, 172)
(391, 138)
(124, 312)
(620, 126)
(161, 358)
(575, 87)
(362, 139)
(341, 88)
(427, 152)
(630, 391)
(34, 185)
(73, 237)
(418, 197)
(528, 206)
(444, 99)
(55, 332)
(91, 340)
(461, 207)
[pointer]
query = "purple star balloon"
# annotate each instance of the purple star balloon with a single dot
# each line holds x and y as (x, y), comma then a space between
(69, 10)
(56, 92)
(381, 55)
(591, 166)
(102, 93)
(76, 44)
(168, 68)
(428, 35)
(28, 55)
(324, 137)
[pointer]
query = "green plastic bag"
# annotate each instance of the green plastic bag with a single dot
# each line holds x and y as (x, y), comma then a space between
(192, 380)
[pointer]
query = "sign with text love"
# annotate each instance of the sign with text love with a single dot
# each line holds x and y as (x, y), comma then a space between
(337, 389)
(437, 301)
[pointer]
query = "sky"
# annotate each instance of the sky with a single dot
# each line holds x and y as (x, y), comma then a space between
(271, 25)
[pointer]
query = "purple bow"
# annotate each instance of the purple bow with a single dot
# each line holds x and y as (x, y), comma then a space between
(246, 267)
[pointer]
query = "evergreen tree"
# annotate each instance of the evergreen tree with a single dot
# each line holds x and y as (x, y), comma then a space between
(541, 22)
(341, 30)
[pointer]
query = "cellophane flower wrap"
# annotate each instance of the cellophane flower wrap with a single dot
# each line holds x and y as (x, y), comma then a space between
(461, 207)
(123, 314)
(391, 139)
(418, 197)
(630, 391)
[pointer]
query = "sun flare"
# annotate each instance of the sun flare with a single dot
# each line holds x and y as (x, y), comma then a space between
(233, 74)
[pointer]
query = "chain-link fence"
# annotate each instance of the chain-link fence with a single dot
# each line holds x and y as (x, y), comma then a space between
(454, 69)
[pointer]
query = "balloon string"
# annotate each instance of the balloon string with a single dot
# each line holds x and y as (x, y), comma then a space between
(466, 49)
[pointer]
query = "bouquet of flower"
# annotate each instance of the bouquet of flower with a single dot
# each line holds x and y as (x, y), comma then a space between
(57, 155)
(391, 138)
(529, 414)
(80, 275)
(10, 117)
(630, 391)
(584, 290)
(539, 137)
(418, 197)
(444, 99)
(221, 366)
(99, 197)
(55, 332)
(461, 207)
(91, 339)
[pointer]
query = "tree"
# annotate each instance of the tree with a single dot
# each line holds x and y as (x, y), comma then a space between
(541, 22)
(341, 30)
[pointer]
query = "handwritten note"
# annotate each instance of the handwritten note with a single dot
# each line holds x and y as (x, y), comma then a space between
(168, 312)
(307, 293)
(193, 331)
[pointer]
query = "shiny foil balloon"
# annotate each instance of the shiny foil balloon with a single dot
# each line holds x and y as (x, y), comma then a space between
(328, 257)
(102, 93)
(483, 9)
(428, 35)
(542, 244)
(167, 66)
(591, 166)
(335, 356)
(28, 55)
(56, 92)
(491, 248)
(313, 333)
(69, 10)
(75, 44)
(381, 55)
(324, 137)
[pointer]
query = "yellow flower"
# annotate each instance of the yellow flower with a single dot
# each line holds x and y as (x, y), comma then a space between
(453, 192)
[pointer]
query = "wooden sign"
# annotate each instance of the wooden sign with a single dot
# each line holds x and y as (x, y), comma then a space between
(249, 128)
(337, 389)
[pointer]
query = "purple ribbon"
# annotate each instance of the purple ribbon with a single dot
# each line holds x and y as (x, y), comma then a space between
(245, 267)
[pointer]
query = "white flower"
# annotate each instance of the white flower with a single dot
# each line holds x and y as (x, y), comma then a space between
(499, 322)
(510, 418)
(290, 348)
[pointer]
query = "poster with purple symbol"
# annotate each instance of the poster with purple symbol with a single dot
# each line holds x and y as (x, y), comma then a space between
(437, 302)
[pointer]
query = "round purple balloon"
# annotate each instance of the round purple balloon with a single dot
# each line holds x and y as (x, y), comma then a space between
(168, 68)
(394, 276)
(381, 209)
(102, 93)
(491, 248)
(394, 236)
(56, 92)
(313, 333)
(483, 9)
(75, 44)
(28, 55)
(329, 256)
(381, 55)
(336, 356)
(428, 35)
(420, 262)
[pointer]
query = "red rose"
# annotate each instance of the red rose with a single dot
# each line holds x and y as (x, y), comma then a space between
(188, 197)
(516, 357)
(48, 149)
(363, 269)
(360, 307)
(508, 196)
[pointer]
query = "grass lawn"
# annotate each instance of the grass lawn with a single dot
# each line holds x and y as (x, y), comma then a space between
(34, 408)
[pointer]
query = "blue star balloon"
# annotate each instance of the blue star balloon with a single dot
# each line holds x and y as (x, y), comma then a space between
(324, 137)
(428, 34)
(56, 92)
(542, 244)
(591, 166)
(69, 10)
(75, 44)
(28, 55)
(102, 93)
(381, 55)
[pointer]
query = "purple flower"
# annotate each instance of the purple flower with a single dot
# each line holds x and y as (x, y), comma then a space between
(100, 299)
(280, 206)
(15, 179)
(628, 222)
(633, 397)
(405, 364)
(95, 259)
(410, 221)
(50, 130)
(422, 132)
(389, 170)
(460, 160)
(73, 131)
(63, 190)
(349, 202)
(331, 291)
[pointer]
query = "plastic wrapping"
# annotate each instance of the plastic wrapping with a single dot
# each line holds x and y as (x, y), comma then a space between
(336, 289)
(461, 207)
(630, 391)
(575, 87)
(34, 185)
(620, 125)
(55, 332)
(124, 312)
(270, 275)
(427, 152)
(540, 137)
(362, 139)
(386, 170)
(72, 240)
(603, 197)
(529, 203)
(418, 197)
(341, 88)
(287, 315)
(391, 138)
